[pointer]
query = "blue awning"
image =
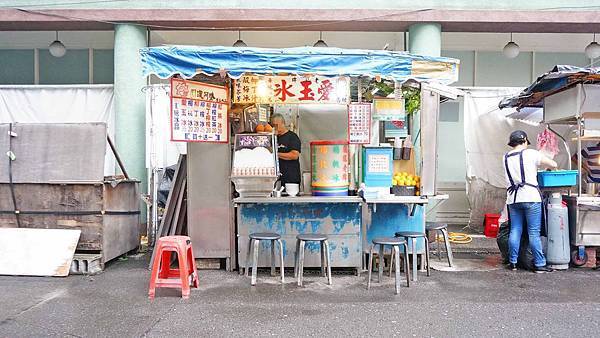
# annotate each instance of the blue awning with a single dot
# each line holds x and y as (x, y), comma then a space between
(166, 61)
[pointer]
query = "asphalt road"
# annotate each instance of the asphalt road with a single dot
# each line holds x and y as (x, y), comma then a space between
(496, 303)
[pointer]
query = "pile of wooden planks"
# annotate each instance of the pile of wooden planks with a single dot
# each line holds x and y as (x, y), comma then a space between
(174, 220)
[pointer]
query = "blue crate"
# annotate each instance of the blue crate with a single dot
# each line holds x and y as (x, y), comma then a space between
(559, 178)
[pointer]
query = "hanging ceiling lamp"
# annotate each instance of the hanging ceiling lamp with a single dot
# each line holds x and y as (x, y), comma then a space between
(320, 42)
(57, 48)
(592, 50)
(240, 42)
(511, 50)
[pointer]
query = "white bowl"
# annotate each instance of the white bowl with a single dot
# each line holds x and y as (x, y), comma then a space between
(292, 189)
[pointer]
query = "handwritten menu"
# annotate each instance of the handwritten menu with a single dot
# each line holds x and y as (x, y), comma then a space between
(378, 163)
(198, 112)
(291, 89)
(359, 123)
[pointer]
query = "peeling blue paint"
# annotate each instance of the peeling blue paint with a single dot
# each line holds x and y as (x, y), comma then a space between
(391, 218)
(338, 226)
(345, 252)
(341, 221)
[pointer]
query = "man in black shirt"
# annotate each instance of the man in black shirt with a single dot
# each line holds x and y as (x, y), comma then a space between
(288, 150)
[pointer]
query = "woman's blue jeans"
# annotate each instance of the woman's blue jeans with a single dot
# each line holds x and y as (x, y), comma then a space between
(530, 214)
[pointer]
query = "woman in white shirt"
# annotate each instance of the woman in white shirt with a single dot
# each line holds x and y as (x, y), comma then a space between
(524, 198)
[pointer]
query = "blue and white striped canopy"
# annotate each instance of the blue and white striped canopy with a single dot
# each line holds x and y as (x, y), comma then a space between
(166, 61)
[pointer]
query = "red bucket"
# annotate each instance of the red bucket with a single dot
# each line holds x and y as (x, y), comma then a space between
(491, 225)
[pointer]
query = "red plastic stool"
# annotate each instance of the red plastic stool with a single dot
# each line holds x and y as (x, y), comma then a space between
(163, 276)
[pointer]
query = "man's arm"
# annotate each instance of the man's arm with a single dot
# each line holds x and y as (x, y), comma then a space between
(292, 155)
(548, 163)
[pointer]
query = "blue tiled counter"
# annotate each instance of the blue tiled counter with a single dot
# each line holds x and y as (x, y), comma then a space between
(338, 217)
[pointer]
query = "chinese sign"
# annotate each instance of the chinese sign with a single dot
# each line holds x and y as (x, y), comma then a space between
(388, 110)
(198, 112)
(359, 123)
(291, 89)
(379, 163)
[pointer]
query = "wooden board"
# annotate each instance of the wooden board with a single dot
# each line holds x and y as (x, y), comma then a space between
(37, 252)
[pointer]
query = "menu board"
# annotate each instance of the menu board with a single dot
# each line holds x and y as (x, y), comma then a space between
(379, 163)
(303, 89)
(359, 123)
(199, 112)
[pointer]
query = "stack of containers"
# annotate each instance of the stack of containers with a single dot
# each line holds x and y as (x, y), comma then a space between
(329, 164)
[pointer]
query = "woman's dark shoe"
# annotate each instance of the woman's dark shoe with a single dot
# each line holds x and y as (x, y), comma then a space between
(542, 269)
(512, 266)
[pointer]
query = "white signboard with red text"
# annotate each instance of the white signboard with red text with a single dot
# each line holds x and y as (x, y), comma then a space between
(291, 89)
(359, 123)
(199, 112)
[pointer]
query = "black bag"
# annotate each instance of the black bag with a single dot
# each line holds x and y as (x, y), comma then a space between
(525, 259)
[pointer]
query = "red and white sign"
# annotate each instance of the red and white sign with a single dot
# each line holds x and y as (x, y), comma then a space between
(291, 89)
(199, 112)
(359, 123)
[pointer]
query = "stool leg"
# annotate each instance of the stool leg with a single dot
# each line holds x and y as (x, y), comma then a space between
(322, 259)
(281, 263)
(183, 272)
(273, 258)
(328, 259)
(370, 267)
(192, 267)
(439, 252)
(427, 255)
(254, 261)
(391, 261)
(296, 258)
(301, 263)
(396, 252)
(154, 274)
(406, 266)
(414, 257)
(250, 243)
(448, 248)
(380, 272)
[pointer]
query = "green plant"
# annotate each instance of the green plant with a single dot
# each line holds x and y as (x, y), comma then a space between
(412, 99)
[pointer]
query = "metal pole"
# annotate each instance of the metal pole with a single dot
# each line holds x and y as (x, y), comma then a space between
(564, 143)
(114, 150)
(579, 155)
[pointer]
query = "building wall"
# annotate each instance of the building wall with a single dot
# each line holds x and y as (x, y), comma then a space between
(19, 67)
(284, 4)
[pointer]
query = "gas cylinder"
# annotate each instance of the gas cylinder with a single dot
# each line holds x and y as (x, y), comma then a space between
(558, 252)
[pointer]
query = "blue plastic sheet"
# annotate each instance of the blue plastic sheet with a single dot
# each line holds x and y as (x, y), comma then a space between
(166, 61)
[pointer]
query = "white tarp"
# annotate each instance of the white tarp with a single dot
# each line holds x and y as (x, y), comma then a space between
(61, 104)
(160, 150)
(486, 136)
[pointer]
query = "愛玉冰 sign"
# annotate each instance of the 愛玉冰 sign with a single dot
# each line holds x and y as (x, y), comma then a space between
(198, 112)
(291, 89)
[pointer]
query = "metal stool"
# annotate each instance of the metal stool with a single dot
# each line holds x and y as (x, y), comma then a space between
(325, 258)
(413, 235)
(253, 244)
(395, 243)
(443, 228)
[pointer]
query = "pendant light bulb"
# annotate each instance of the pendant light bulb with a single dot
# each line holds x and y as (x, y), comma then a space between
(240, 42)
(320, 42)
(511, 49)
(592, 50)
(57, 48)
